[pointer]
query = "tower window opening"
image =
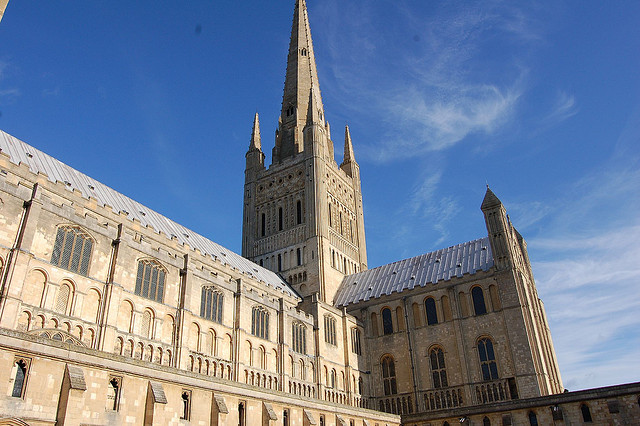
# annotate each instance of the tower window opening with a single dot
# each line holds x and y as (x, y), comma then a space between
(263, 222)
(20, 377)
(299, 212)
(280, 219)
(387, 321)
(279, 263)
(299, 256)
(186, 405)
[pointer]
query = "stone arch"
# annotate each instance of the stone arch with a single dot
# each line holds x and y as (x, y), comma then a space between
(146, 324)
(211, 342)
(33, 288)
(194, 337)
(91, 305)
(125, 316)
(24, 321)
(168, 327)
(65, 297)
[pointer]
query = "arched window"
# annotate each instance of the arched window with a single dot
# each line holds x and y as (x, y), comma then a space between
(487, 359)
(330, 330)
(430, 308)
(330, 217)
(21, 367)
(299, 212)
(438, 369)
(479, 306)
(586, 413)
(260, 323)
(72, 249)
(65, 295)
(486, 421)
(533, 419)
(332, 381)
(150, 280)
(186, 405)
(356, 345)
(389, 375)
(147, 324)
(211, 304)
(263, 225)
(299, 256)
(387, 321)
(299, 337)
(280, 219)
(279, 262)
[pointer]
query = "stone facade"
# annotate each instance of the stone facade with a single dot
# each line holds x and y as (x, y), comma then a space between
(113, 314)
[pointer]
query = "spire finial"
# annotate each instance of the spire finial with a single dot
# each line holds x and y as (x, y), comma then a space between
(490, 199)
(255, 134)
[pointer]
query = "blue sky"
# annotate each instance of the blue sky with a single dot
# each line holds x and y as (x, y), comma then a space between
(539, 99)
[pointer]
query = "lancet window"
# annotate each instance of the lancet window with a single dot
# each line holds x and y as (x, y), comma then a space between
(389, 375)
(487, 359)
(438, 369)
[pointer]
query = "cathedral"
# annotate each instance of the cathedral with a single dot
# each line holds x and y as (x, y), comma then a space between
(111, 313)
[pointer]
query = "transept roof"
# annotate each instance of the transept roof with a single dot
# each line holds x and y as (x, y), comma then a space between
(419, 271)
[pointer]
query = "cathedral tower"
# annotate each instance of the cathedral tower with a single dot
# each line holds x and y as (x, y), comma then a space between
(303, 214)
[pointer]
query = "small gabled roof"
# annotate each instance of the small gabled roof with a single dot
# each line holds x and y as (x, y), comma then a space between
(56, 171)
(419, 271)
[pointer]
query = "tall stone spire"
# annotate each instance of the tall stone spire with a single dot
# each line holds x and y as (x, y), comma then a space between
(301, 100)
(255, 135)
(348, 147)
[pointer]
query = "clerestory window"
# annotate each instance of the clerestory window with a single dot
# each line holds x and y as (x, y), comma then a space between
(211, 304)
(260, 323)
(150, 280)
(72, 249)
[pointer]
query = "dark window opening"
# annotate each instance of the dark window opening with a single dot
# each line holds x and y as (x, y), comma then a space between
(299, 212)
(113, 398)
(432, 313)
(279, 263)
(299, 256)
(478, 301)
(263, 229)
(280, 219)
(387, 321)
(533, 419)
(186, 405)
(241, 415)
(20, 379)
(586, 413)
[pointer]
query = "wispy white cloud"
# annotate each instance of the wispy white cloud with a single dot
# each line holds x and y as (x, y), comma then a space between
(456, 88)
(564, 108)
(587, 267)
(590, 291)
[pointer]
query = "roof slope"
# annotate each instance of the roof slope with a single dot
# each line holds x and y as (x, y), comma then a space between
(57, 171)
(440, 265)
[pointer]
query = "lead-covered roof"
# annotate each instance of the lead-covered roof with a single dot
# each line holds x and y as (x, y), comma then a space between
(419, 271)
(56, 171)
